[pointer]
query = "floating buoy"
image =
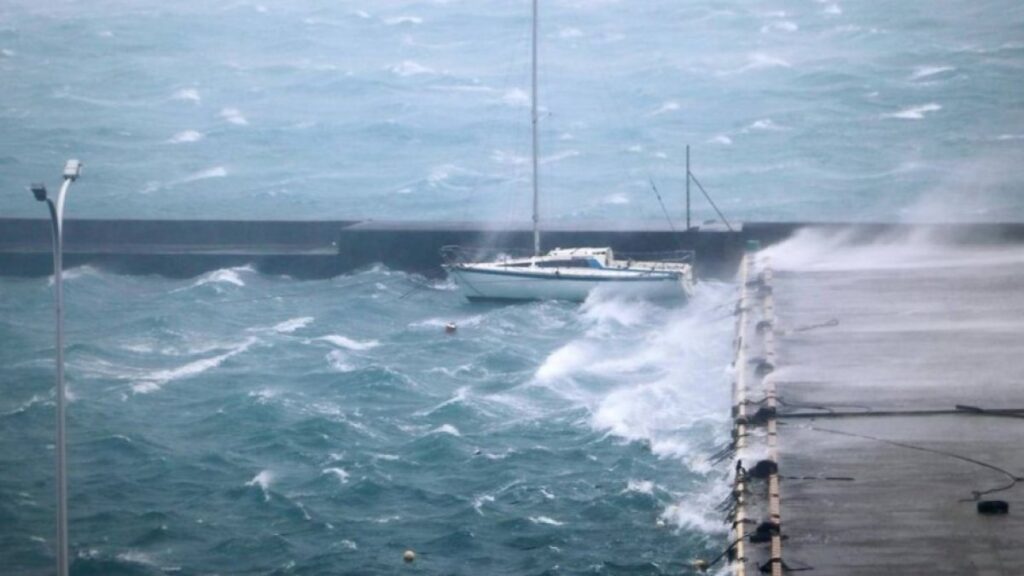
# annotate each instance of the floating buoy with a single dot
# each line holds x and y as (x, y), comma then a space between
(409, 556)
(450, 328)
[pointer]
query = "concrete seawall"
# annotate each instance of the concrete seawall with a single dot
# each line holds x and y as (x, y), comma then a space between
(320, 249)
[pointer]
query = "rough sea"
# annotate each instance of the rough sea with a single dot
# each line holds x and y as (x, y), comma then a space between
(242, 423)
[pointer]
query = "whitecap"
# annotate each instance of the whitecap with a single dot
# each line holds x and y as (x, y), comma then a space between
(570, 33)
(479, 502)
(780, 26)
(640, 486)
(187, 94)
(339, 473)
(349, 544)
(337, 360)
(186, 136)
(409, 68)
(215, 172)
(136, 557)
(348, 343)
(75, 273)
(509, 158)
(289, 326)
(914, 112)
(446, 429)
(832, 10)
(36, 399)
(234, 116)
(262, 480)
(223, 276)
(155, 380)
(927, 71)
(546, 520)
(559, 156)
(263, 395)
(516, 97)
(766, 124)
(617, 199)
(721, 139)
(670, 106)
(760, 61)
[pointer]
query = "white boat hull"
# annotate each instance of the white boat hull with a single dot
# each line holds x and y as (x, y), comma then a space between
(500, 285)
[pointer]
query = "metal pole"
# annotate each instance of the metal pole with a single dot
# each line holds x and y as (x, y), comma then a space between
(57, 217)
(533, 116)
(687, 187)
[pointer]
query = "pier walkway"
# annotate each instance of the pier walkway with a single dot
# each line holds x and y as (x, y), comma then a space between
(896, 387)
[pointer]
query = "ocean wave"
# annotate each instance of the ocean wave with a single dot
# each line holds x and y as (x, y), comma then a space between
(232, 276)
(76, 273)
(185, 136)
(290, 326)
(780, 26)
(188, 95)
(446, 429)
(234, 116)
(157, 379)
(337, 360)
(923, 72)
(670, 106)
(262, 480)
(338, 473)
(546, 520)
(215, 172)
(348, 343)
(479, 501)
(409, 68)
(914, 112)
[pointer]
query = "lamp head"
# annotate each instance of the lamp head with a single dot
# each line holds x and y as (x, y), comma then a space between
(72, 170)
(38, 190)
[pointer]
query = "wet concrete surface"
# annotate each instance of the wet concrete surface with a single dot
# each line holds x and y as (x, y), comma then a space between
(899, 325)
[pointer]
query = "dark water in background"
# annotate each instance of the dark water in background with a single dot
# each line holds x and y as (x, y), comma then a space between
(821, 110)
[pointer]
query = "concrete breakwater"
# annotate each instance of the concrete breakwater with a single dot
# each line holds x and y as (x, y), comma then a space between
(320, 249)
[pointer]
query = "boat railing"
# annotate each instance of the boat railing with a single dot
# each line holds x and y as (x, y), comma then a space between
(667, 256)
(468, 254)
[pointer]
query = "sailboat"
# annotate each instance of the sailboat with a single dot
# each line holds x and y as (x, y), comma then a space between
(563, 273)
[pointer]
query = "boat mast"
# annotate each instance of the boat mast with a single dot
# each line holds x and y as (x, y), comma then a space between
(533, 117)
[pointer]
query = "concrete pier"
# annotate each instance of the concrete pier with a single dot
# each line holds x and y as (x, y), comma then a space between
(900, 404)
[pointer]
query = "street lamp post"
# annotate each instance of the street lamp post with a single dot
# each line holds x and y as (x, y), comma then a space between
(72, 170)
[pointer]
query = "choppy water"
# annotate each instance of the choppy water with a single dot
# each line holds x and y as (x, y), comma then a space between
(241, 423)
(809, 109)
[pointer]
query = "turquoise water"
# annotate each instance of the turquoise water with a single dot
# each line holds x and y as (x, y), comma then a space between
(241, 423)
(254, 424)
(823, 110)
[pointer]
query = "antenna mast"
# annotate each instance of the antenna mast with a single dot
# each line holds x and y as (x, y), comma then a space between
(533, 117)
